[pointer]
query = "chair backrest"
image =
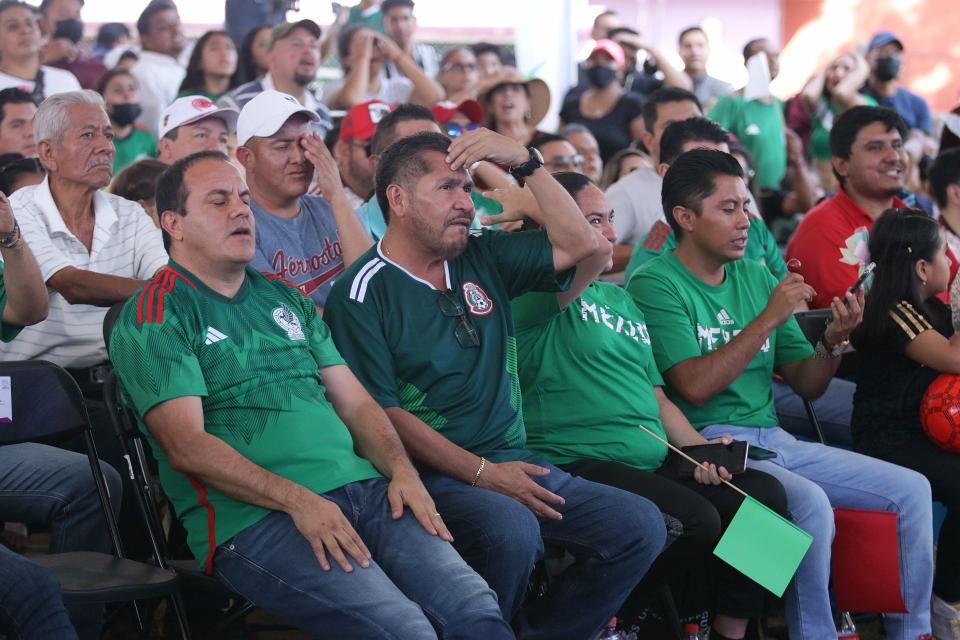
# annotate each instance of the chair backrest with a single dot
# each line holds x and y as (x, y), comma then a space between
(48, 405)
(46, 402)
(109, 320)
(133, 444)
(813, 322)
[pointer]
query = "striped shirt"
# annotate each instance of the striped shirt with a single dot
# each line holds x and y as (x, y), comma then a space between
(125, 243)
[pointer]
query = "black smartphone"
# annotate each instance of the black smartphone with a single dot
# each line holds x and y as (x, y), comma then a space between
(867, 270)
(759, 453)
(733, 456)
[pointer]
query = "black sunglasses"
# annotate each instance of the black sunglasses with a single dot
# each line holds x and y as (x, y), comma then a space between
(451, 307)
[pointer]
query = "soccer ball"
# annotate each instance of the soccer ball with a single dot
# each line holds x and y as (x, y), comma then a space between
(940, 412)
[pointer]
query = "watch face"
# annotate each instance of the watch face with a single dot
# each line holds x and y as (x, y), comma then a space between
(536, 155)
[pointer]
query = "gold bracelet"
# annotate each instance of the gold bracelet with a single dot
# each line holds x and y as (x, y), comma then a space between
(476, 478)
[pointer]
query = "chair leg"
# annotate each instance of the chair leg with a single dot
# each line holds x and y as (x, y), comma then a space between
(180, 612)
(814, 421)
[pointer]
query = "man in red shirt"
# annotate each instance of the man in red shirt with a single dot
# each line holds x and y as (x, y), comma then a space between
(871, 164)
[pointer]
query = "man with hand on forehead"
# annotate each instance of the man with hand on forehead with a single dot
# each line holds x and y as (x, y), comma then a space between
(304, 238)
(424, 320)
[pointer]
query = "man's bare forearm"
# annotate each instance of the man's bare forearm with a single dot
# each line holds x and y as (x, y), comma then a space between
(432, 449)
(27, 298)
(80, 286)
(375, 438)
(701, 378)
(568, 230)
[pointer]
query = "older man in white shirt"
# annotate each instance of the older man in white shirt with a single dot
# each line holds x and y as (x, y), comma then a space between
(94, 248)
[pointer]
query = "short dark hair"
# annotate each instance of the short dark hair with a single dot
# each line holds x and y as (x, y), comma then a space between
(106, 78)
(662, 96)
(13, 95)
(171, 193)
(386, 5)
(14, 165)
(10, 4)
(691, 179)
(152, 9)
(45, 5)
(612, 33)
(608, 12)
(747, 48)
(850, 122)
(481, 48)
(110, 32)
(690, 30)
(386, 132)
(944, 172)
(573, 182)
(546, 138)
(138, 181)
(403, 162)
(681, 132)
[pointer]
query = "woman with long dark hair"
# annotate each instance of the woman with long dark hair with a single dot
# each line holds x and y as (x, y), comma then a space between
(212, 67)
(905, 341)
(252, 63)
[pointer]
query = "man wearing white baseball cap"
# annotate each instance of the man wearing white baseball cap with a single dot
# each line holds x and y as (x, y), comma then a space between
(304, 238)
(191, 124)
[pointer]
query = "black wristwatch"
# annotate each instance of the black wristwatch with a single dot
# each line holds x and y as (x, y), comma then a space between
(524, 170)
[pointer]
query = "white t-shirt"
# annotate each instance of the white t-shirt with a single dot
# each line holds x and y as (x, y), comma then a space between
(392, 90)
(125, 243)
(635, 200)
(54, 81)
(159, 77)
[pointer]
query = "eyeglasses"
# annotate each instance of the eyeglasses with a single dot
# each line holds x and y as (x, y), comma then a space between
(455, 130)
(451, 307)
(564, 162)
(460, 68)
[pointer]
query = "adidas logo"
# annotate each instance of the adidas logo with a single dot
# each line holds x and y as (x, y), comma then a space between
(724, 318)
(214, 336)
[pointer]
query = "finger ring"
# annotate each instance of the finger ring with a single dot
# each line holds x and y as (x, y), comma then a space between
(438, 515)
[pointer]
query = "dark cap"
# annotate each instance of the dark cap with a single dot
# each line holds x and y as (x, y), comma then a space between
(884, 37)
(283, 29)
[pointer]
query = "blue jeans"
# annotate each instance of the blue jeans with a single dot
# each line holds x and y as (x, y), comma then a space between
(613, 534)
(818, 478)
(30, 604)
(415, 583)
(40, 484)
(834, 410)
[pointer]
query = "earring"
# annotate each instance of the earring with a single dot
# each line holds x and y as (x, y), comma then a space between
(923, 282)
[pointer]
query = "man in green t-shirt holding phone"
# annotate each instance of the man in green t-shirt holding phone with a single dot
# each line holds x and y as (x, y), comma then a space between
(720, 327)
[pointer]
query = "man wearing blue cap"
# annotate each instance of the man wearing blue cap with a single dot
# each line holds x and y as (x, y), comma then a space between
(885, 55)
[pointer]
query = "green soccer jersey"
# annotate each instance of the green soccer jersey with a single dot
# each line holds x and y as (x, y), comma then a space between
(136, 146)
(689, 318)
(587, 376)
(254, 359)
(761, 128)
(392, 330)
(7, 332)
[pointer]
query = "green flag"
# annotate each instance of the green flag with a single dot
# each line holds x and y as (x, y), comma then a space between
(763, 545)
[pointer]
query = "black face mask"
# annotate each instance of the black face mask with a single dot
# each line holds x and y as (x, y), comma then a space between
(886, 69)
(124, 114)
(71, 29)
(601, 77)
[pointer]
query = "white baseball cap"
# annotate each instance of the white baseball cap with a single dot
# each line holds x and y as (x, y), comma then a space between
(267, 112)
(189, 109)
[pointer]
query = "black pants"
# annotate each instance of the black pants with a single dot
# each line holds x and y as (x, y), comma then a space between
(942, 469)
(705, 511)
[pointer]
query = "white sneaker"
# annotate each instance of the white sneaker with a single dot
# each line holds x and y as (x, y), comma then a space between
(944, 619)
